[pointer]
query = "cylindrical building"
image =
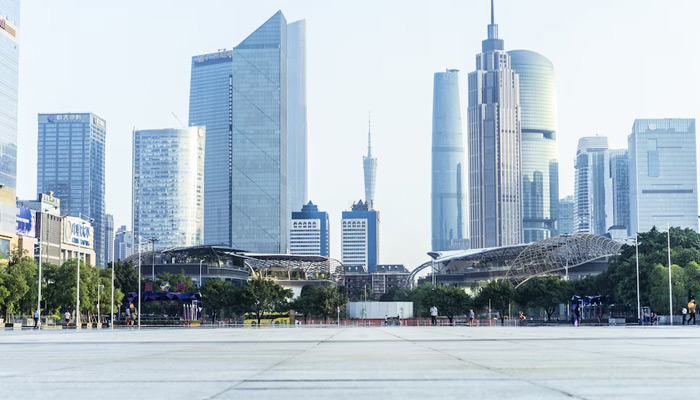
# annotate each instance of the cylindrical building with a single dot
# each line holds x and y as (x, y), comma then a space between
(449, 200)
(539, 164)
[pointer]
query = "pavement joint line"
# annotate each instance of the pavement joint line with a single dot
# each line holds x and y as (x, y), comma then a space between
(512, 377)
(298, 353)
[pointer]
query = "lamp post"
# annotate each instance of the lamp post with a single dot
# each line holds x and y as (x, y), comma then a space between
(670, 287)
(200, 272)
(111, 307)
(99, 316)
(139, 302)
(636, 251)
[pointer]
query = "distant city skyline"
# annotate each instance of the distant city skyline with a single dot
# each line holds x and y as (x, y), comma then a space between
(145, 87)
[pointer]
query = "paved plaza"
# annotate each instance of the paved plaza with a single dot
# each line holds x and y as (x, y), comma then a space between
(352, 363)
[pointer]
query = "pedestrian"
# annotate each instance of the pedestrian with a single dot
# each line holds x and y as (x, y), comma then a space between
(132, 314)
(128, 316)
(471, 317)
(684, 312)
(433, 315)
(691, 310)
(66, 315)
(36, 319)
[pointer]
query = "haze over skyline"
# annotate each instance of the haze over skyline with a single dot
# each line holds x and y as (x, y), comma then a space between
(130, 64)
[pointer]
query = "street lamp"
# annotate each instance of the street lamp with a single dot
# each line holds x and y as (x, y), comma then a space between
(200, 272)
(670, 287)
(99, 317)
(111, 308)
(636, 252)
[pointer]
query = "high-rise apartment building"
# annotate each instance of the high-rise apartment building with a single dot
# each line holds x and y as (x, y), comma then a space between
(589, 185)
(565, 223)
(241, 97)
(617, 191)
(168, 185)
(663, 181)
(360, 237)
(9, 89)
(449, 189)
(297, 169)
(539, 163)
(494, 145)
(309, 232)
(71, 165)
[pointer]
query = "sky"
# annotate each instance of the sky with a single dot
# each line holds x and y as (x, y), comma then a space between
(129, 62)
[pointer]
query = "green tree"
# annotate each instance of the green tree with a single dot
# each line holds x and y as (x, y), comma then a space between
(500, 293)
(126, 277)
(691, 279)
(329, 300)
(23, 267)
(261, 296)
(218, 296)
(397, 294)
(545, 292)
(658, 295)
(306, 304)
(418, 295)
(62, 295)
(449, 300)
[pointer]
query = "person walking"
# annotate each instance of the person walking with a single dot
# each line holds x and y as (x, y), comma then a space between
(684, 313)
(66, 315)
(471, 317)
(36, 319)
(433, 315)
(691, 310)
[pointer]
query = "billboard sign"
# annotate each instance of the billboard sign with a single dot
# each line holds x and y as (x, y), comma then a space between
(26, 221)
(77, 232)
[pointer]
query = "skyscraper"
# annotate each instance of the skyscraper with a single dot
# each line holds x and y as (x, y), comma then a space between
(360, 237)
(589, 185)
(662, 174)
(369, 165)
(565, 223)
(494, 147)
(617, 191)
(449, 199)
(539, 164)
(296, 116)
(309, 233)
(71, 164)
(241, 98)
(168, 185)
(9, 83)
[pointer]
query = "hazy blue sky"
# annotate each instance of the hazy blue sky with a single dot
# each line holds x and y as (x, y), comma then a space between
(129, 62)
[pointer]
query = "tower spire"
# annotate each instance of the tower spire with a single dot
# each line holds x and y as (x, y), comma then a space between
(492, 19)
(369, 134)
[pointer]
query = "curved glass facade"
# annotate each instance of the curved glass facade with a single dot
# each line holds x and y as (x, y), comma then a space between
(540, 167)
(449, 201)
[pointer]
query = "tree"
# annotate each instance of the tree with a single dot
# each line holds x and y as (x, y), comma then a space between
(305, 304)
(500, 293)
(62, 295)
(262, 296)
(658, 296)
(545, 292)
(126, 278)
(218, 296)
(18, 278)
(397, 294)
(449, 300)
(329, 300)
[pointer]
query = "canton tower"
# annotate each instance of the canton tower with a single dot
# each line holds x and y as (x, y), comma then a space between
(369, 164)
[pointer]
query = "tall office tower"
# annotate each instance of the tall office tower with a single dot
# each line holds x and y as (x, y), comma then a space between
(297, 186)
(309, 233)
(369, 165)
(589, 185)
(617, 191)
(449, 199)
(241, 98)
(9, 77)
(663, 176)
(71, 164)
(539, 164)
(109, 239)
(168, 184)
(360, 237)
(494, 147)
(125, 244)
(565, 223)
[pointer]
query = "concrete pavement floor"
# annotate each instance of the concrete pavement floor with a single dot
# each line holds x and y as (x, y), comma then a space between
(351, 363)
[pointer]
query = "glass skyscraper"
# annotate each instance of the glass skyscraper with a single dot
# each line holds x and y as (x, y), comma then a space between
(617, 191)
(449, 198)
(71, 164)
(494, 147)
(663, 174)
(565, 223)
(168, 185)
(9, 79)
(589, 185)
(241, 97)
(539, 164)
(297, 169)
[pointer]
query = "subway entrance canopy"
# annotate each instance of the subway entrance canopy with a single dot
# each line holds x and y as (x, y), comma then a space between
(518, 263)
